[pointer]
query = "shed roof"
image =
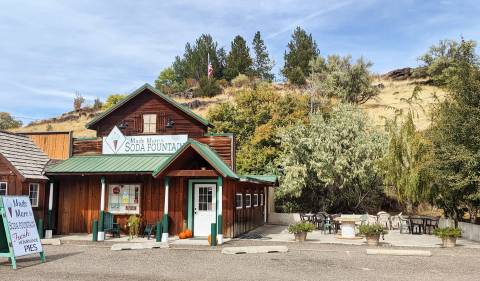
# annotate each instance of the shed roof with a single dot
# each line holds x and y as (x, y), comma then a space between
(271, 179)
(23, 155)
(108, 164)
(158, 93)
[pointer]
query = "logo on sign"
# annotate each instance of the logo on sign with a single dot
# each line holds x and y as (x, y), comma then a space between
(115, 139)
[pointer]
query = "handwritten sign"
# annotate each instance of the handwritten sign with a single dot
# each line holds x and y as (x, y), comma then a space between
(21, 224)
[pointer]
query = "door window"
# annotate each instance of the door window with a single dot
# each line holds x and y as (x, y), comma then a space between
(205, 199)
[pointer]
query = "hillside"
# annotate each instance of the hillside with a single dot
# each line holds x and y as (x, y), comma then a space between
(392, 95)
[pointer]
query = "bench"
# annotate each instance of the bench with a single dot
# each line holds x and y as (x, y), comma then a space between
(109, 226)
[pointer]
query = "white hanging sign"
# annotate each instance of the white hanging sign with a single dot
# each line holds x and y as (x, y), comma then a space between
(117, 143)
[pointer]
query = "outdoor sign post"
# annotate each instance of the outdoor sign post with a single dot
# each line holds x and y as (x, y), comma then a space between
(18, 230)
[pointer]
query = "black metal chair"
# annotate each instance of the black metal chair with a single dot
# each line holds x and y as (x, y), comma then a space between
(417, 225)
(431, 224)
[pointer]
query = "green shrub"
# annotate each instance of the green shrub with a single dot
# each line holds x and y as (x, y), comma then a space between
(301, 227)
(207, 88)
(297, 77)
(444, 232)
(371, 229)
(241, 80)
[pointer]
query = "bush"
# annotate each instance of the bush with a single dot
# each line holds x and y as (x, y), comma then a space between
(113, 100)
(223, 83)
(297, 77)
(301, 227)
(371, 229)
(444, 232)
(241, 80)
(78, 101)
(208, 88)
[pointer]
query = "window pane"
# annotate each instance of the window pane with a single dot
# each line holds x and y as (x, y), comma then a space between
(3, 188)
(149, 123)
(33, 194)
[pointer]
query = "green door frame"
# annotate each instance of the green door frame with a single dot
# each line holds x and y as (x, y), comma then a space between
(217, 181)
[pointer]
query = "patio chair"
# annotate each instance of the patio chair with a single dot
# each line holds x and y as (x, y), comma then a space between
(404, 224)
(327, 225)
(395, 221)
(416, 225)
(148, 230)
(384, 220)
(320, 220)
(431, 224)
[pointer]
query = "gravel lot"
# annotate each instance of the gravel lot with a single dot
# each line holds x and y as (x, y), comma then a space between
(302, 262)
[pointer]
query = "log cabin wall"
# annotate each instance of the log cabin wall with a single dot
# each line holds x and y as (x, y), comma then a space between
(149, 103)
(222, 144)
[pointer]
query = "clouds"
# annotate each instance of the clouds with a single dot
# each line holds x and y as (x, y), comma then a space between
(51, 49)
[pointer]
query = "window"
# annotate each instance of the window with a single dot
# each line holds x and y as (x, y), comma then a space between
(248, 200)
(239, 200)
(33, 193)
(261, 199)
(3, 188)
(205, 199)
(149, 123)
(255, 200)
(124, 198)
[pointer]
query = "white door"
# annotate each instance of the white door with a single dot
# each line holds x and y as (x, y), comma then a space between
(204, 208)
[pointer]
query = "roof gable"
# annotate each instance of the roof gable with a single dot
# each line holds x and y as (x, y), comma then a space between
(206, 153)
(23, 155)
(155, 91)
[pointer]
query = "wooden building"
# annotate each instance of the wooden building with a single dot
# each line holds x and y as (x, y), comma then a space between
(22, 166)
(155, 158)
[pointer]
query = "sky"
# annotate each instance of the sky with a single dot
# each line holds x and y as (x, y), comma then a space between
(50, 50)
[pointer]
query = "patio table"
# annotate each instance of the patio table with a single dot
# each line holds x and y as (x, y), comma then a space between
(422, 225)
(348, 224)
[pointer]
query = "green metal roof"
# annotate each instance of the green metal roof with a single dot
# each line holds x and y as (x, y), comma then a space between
(108, 164)
(206, 152)
(272, 179)
(158, 93)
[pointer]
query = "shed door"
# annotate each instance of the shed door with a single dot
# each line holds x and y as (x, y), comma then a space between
(205, 208)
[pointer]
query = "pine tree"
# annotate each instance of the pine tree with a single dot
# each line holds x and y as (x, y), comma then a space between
(262, 64)
(301, 50)
(238, 59)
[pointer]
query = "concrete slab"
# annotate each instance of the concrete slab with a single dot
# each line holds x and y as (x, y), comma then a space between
(51, 241)
(279, 233)
(138, 246)
(254, 250)
(393, 252)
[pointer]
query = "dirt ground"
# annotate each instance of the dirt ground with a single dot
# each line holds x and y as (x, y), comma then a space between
(302, 262)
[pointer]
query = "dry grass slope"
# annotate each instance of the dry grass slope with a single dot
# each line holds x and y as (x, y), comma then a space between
(391, 96)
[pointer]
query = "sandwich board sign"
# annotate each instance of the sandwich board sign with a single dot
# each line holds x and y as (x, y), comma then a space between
(18, 230)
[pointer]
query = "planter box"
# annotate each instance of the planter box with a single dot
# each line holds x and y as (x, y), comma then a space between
(301, 236)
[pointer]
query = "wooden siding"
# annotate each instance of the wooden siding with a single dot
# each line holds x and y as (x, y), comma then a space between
(87, 146)
(15, 186)
(238, 221)
(79, 201)
(56, 145)
(223, 145)
(149, 103)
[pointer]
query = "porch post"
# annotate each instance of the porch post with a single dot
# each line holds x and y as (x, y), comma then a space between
(165, 211)
(48, 232)
(101, 233)
(219, 210)
(190, 206)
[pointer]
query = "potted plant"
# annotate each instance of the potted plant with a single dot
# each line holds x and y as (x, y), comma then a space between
(300, 230)
(133, 226)
(372, 233)
(448, 235)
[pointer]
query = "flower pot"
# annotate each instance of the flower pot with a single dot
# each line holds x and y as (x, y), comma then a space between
(372, 240)
(300, 236)
(449, 242)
